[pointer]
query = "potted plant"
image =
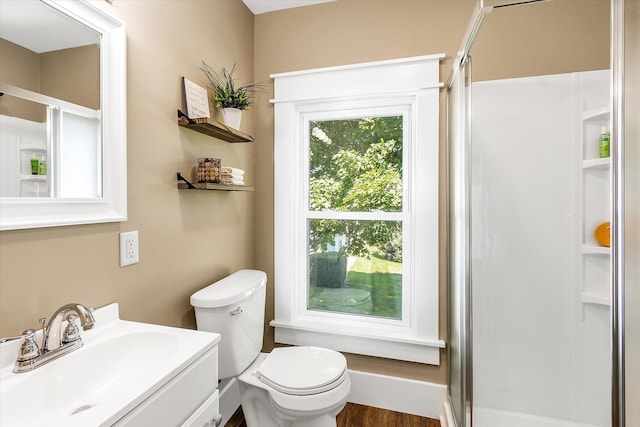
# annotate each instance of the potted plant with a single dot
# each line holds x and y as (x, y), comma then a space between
(230, 96)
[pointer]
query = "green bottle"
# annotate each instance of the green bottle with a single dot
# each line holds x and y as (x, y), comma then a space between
(42, 167)
(604, 142)
(34, 164)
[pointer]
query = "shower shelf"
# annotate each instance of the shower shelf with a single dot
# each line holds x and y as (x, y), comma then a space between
(598, 114)
(591, 298)
(595, 250)
(593, 209)
(596, 163)
(40, 178)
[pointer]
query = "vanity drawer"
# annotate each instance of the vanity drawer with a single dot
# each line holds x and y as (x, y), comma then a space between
(207, 415)
(179, 397)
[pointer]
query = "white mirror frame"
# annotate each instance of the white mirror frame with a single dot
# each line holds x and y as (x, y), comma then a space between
(20, 212)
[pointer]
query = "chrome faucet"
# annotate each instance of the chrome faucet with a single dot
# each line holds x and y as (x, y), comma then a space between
(55, 341)
(52, 336)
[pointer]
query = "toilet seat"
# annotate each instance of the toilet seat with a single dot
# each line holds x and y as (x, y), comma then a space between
(303, 370)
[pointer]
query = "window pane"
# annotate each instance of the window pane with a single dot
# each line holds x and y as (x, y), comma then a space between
(355, 165)
(355, 267)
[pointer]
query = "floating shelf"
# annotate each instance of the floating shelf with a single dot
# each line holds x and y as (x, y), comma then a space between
(183, 184)
(214, 129)
(212, 186)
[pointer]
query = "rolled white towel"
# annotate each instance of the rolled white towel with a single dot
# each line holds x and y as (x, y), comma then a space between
(232, 170)
(233, 177)
(230, 181)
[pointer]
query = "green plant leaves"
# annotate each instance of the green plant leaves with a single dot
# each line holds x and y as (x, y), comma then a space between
(227, 93)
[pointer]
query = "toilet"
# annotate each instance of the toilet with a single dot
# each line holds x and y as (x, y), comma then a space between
(300, 386)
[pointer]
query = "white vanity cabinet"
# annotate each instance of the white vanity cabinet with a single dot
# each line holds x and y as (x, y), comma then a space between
(207, 415)
(125, 374)
(190, 399)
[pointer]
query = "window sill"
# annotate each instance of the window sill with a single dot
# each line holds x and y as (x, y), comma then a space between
(410, 349)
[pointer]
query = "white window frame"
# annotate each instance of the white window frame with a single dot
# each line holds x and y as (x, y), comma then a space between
(407, 86)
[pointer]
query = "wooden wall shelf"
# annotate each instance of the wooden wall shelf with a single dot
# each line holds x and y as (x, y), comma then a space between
(214, 129)
(183, 184)
(216, 187)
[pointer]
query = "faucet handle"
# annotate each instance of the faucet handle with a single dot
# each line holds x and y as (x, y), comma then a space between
(18, 337)
(29, 349)
(71, 332)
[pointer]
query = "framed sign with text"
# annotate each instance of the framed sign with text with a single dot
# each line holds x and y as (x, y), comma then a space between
(196, 100)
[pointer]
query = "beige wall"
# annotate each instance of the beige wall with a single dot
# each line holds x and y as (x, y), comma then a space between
(20, 67)
(187, 239)
(72, 75)
(555, 37)
(561, 36)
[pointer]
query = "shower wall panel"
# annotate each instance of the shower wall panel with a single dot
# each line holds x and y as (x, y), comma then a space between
(529, 327)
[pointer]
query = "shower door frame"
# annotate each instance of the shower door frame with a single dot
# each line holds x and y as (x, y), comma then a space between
(458, 245)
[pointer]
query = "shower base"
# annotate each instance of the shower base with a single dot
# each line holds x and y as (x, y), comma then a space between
(489, 417)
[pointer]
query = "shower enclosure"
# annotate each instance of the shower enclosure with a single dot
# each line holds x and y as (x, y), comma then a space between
(536, 298)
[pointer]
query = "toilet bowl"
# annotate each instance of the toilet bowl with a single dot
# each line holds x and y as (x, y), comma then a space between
(296, 386)
(291, 386)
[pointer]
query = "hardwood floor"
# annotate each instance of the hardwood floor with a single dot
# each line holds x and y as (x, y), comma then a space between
(354, 415)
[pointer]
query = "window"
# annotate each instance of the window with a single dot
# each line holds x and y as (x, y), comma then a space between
(354, 215)
(356, 203)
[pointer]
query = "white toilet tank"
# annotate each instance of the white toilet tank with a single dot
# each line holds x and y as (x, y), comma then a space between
(234, 308)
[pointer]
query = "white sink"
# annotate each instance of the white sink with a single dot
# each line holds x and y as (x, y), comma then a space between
(120, 365)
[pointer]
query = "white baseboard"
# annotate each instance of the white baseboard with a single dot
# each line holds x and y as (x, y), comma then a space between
(397, 394)
(381, 391)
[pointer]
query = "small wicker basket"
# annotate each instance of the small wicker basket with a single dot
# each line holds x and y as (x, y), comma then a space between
(209, 169)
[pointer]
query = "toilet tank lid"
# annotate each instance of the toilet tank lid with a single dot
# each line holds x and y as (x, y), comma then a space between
(236, 287)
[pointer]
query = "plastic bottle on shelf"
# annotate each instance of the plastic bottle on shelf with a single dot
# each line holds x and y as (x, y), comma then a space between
(604, 142)
(42, 166)
(35, 163)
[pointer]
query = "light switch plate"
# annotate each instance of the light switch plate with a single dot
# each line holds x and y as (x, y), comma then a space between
(129, 248)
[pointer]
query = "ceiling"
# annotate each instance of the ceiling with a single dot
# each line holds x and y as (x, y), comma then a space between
(264, 6)
(40, 28)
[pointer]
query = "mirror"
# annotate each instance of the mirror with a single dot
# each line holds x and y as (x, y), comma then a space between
(62, 114)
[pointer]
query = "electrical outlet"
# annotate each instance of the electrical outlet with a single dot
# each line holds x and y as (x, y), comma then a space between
(129, 248)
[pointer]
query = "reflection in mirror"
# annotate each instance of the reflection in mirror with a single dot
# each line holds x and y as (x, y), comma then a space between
(23, 148)
(58, 156)
(62, 114)
(50, 76)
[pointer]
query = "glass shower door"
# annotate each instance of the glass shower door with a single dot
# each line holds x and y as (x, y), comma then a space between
(530, 285)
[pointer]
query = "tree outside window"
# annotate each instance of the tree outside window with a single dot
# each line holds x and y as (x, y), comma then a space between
(355, 265)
